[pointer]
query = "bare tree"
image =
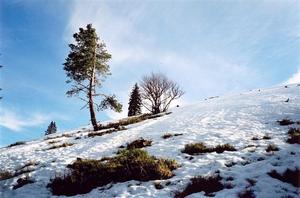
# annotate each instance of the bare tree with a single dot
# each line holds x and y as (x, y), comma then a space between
(158, 92)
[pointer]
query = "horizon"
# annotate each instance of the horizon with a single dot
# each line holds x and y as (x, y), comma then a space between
(208, 48)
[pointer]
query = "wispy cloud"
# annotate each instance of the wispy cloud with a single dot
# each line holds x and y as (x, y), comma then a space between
(13, 120)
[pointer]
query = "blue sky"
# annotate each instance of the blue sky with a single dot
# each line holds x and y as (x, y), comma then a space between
(208, 47)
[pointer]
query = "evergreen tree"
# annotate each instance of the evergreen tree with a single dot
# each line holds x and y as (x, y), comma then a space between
(51, 128)
(86, 67)
(135, 101)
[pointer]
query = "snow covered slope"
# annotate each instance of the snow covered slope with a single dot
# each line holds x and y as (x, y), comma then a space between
(234, 119)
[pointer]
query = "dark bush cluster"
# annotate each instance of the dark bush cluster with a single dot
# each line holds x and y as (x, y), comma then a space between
(272, 147)
(208, 184)
(60, 146)
(139, 143)
(248, 193)
(22, 182)
(5, 175)
(198, 148)
(134, 164)
(285, 122)
(289, 176)
(17, 143)
(294, 136)
(169, 135)
(132, 120)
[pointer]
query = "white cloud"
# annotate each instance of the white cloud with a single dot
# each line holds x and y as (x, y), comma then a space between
(199, 70)
(295, 78)
(12, 120)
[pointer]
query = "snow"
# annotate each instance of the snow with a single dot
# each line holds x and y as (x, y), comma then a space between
(233, 119)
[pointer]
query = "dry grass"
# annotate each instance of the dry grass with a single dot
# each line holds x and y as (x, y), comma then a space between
(198, 148)
(60, 146)
(5, 175)
(289, 176)
(209, 185)
(169, 135)
(272, 147)
(134, 164)
(294, 136)
(139, 143)
(17, 143)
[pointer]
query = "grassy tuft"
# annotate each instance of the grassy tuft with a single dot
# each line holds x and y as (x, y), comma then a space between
(134, 164)
(198, 148)
(248, 193)
(17, 143)
(294, 136)
(22, 182)
(209, 185)
(169, 135)
(60, 146)
(285, 122)
(139, 143)
(289, 176)
(5, 175)
(272, 147)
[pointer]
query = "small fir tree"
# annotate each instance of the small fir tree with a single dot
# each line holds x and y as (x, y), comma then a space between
(135, 101)
(51, 128)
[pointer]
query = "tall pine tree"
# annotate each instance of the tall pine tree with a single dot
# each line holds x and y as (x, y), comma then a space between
(135, 101)
(87, 67)
(51, 128)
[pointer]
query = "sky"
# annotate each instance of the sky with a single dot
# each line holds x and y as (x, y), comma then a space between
(209, 47)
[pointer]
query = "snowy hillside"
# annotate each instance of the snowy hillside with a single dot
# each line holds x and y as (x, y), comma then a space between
(247, 121)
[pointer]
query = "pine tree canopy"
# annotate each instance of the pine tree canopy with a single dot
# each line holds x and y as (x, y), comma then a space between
(87, 67)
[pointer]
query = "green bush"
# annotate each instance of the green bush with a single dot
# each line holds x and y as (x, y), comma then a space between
(134, 164)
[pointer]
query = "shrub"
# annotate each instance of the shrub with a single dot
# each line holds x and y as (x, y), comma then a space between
(272, 147)
(198, 148)
(266, 137)
(289, 176)
(248, 193)
(17, 143)
(255, 138)
(294, 136)
(134, 164)
(225, 147)
(5, 175)
(118, 128)
(208, 184)
(195, 148)
(285, 122)
(22, 182)
(139, 143)
(60, 146)
(168, 135)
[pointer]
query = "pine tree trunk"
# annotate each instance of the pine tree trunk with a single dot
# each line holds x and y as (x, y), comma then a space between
(91, 102)
(92, 110)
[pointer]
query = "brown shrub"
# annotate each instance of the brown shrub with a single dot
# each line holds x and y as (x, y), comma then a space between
(134, 164)
(272, 147)
(289, 176)
(209, 185)
(198, 148)
(139, 143)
